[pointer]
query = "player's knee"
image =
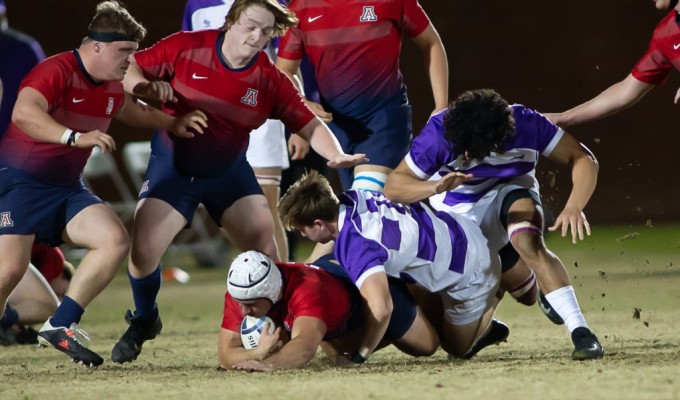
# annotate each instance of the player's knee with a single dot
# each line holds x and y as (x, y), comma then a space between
(369, 180)
(527, 239)
(118, 244)
(526, 292)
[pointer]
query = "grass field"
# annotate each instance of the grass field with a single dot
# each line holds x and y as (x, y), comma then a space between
(614, 272)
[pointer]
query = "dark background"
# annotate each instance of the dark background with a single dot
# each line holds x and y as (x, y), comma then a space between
(548, 55)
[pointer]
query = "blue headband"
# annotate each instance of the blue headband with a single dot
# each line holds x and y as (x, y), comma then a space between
(108, 37)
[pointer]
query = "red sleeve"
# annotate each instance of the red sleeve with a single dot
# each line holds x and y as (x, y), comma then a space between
(158, 61)
(291, 46)
(414, 20)
(50, 79)
(231, 318)
(653, 68)
(289, 106)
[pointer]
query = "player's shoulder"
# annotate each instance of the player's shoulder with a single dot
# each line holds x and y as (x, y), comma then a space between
(667, 27)
(192, 39)
(64, 63)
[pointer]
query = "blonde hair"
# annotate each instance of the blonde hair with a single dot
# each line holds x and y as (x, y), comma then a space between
(283, 17)
(308, 199)
(111, 16)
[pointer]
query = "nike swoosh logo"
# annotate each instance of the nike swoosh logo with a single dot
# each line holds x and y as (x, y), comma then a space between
(676, 46)
(312, 19)
(198, 76)
(78, 100)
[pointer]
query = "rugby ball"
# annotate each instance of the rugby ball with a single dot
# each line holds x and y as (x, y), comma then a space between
(251, 329)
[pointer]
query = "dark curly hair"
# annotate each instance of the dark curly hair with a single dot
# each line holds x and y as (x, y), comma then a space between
(479, 122)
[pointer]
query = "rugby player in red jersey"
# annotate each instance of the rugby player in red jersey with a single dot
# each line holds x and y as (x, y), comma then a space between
(226, 74)
(63, 110)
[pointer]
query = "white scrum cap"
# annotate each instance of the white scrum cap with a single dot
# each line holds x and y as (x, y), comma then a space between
(253, 275)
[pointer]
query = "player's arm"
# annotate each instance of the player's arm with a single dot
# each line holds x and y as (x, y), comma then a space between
(436, 63)
(324, 142)
(136, 83)
(230, 350)
(138, 114)
(584, 179)
(306, 335)
(377, 312)
(31, 116)
(617, 97)
(404, 186)
(292, 69)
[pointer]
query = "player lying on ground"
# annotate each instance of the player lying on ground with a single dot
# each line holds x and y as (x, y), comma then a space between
(311, 305)
(376, 239)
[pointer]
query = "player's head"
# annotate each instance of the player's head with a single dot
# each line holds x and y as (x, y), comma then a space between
(283, 18)
(665, 5)
(308, 204)
(479, 122)
(113, 35)
(253, 276)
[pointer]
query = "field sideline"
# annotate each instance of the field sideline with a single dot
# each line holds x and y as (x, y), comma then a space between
(614, 272)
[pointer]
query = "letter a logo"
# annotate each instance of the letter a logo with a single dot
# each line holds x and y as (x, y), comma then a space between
(6, 219)
(250, 97)
(368, 14)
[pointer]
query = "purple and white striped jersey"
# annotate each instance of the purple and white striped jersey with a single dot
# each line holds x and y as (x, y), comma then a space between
(411, 242)
(431, 157)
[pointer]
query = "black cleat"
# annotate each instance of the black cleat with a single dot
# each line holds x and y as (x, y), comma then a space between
(68, 341)
(128, 347)
(586, 345)
(498, 332)
(547, 309)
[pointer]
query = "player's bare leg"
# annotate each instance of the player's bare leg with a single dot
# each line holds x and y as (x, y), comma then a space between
(270, 182)
(249, 225)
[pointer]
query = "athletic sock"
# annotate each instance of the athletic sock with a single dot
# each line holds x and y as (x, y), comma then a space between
(9, 318)
(144, 292)
(67, 313)
(563, 300)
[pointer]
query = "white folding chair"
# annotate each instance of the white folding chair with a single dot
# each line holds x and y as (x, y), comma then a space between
(102, 165)
(207, 249)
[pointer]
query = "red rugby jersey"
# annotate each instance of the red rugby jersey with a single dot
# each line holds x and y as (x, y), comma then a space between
(236, 101)
(76, 101)
(663, 53)
(354, 46)
(308, 291)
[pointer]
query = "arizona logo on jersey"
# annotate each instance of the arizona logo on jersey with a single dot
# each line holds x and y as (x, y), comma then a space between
(6, 219)
(368, 15)
(109, 107)
(250, 97)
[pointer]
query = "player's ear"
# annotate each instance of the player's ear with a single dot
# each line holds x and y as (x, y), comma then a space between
(97, 47)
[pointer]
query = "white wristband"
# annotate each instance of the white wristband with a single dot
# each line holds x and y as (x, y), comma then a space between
(65, 136)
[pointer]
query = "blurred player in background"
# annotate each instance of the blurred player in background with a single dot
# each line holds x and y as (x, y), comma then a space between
(37, 295)
(662, 56)
(64, 107)
(19, 53)
(267, 152)
(354, 47)
(226, 74)
(478, 159)
(376, 239)
(312, 305)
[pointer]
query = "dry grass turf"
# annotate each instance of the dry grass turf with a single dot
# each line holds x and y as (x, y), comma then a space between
(615, 272)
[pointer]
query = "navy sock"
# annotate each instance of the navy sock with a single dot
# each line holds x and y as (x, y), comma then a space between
(67, 313)
(144, 292)
(9, 318)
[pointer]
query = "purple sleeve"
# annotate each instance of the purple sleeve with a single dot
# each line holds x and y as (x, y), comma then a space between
(534, 131)
(430, 150)
(355, 253)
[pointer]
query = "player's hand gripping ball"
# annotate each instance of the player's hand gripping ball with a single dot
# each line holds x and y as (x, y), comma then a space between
(251, 329)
